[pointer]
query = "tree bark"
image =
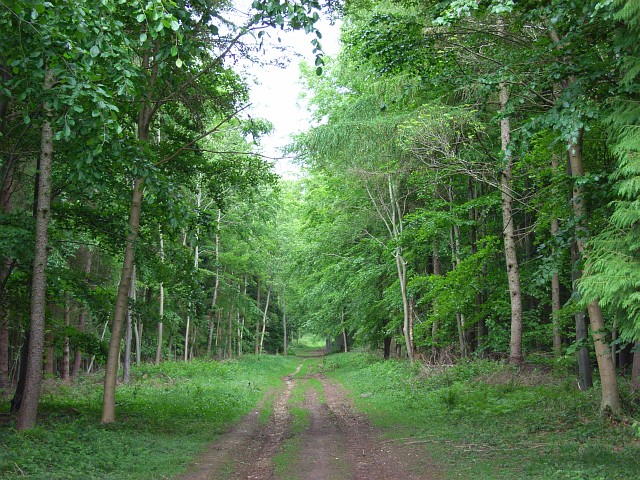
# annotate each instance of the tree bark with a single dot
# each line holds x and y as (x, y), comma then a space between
(111, 369)
(16, 401)
(86, 258)
(186, 338)
(66, 348)
(4, 354)
(509, 231)
(216, 285)
(126, 364)
(635, 369)
(33, 381)
(161, 308)
(555, 280)
(264, 320)
(284, 321)
(609, 383)
(257, 339)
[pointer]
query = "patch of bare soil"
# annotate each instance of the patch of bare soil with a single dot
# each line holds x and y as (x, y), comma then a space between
(323, 453)
(370, 455)
(245, 451)
(339, 444)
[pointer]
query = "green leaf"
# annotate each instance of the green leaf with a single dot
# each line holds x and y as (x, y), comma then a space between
(175, 25)
(141, 17)
(143, 38)
(178, 63)
(95, 51)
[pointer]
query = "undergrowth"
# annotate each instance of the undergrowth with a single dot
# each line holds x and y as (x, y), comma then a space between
(489, 420)
(165, 416)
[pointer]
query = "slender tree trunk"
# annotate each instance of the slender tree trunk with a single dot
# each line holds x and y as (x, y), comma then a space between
(230, 332)
(387, 347)
(454, 234)
(635, 369)
(33, 381)
(555, 280)
(126, 364)
(257, 342)
(264, 320)
(186, 338)
(93, 357)
(345, 346)
(161, 308)
(401, 267)
(138, 328)
(284, 321)
(18, 396)
(145, 115)
(86, 258)
(6, 264)
(218, 333)
(4, 354)
(216, 284)
(111, 370)
(608, 380)
(66, 348)
(437, 270)
(509, 231)
(49, 353)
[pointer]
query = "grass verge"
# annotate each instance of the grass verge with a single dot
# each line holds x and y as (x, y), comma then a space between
(165, 416)
(486, 420)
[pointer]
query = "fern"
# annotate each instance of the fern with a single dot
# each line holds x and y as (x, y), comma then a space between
(612, 270)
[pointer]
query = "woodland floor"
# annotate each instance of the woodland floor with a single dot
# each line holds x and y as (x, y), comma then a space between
(312, 433)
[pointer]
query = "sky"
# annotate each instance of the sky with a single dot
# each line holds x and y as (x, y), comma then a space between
(275, 91)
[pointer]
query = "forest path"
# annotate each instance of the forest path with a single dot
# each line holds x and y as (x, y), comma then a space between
(313, 433)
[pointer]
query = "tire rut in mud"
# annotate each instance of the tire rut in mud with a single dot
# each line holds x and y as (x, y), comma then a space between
(337, 443)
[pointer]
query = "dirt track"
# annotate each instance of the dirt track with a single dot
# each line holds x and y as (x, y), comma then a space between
(334, 443)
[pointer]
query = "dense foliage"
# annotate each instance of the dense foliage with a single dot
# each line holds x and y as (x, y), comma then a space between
(470, 187)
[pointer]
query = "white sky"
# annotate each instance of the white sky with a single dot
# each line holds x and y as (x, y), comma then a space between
(275, 91)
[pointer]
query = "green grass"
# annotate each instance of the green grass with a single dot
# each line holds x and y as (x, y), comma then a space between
(165, 416)
(485, 420)
(289, 453)
(307, 344)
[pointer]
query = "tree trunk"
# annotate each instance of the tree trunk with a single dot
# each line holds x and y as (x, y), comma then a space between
(4, 354)
(86, 258)
(264, 320)
(111, 369)
(186, 339)
(437, 270)
(387, 347)
(33, 381)
(49, 354)
(230, 333)
(401, 267)
(610, 395)
(454, 234)
(66, 348)
(635, 369)
(6, 264)
(93, 357)
(257, 345)
(161, 308)
(126, 364)
(18, 396)
(216, 284)
(509, 231)
(284, 321)
(138, 328)
(218, 333)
